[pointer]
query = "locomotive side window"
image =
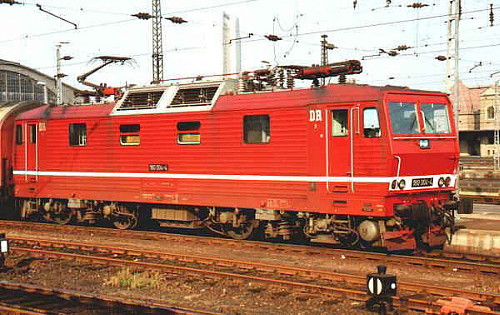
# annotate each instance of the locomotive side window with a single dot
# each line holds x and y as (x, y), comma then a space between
(77, 135)
(435, 118)
(371, 124)
(188, 132)
(340, 127)
(403, 117)
(129, 134)
(256, 129)
(19, 134)
(33, 133)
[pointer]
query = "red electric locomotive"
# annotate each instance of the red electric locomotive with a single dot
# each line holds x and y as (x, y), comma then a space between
(350, 164)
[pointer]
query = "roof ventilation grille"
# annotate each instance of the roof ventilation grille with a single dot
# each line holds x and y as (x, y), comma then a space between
(141, 100)
(190, 96)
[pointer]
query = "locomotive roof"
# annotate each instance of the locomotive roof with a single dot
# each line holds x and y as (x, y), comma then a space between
(66, 112)
(333, 93)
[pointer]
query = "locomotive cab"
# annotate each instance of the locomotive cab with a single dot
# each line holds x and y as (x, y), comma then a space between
(391, 168)
(423, 142)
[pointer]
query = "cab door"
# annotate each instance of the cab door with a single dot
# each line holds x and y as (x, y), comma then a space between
(370, 150)
(339, 152)
(31, 151)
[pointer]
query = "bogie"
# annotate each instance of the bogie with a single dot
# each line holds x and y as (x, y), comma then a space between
(58, 211)
(241, 224)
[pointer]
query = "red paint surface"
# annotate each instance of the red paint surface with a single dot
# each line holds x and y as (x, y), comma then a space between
(298, 147)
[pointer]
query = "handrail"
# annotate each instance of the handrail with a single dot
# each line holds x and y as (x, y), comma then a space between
(351, 134)
(327, 150)
(399, 165)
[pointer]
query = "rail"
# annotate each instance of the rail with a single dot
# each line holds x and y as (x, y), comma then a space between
(444, 260)
(20, 298)
(138, 259)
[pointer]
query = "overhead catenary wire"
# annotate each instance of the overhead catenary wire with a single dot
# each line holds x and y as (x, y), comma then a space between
(28, 36)
(297, 34)
(198, 48)
(291, 38)
(82, 9)
(387, 23)
(148, 54)
(115, 22)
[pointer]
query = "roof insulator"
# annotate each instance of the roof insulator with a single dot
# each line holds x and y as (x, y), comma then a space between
(176, 19)
(402, 47)
(272, 37)
(11, 2)
(492, 15)
(143, 16)
(417, 5)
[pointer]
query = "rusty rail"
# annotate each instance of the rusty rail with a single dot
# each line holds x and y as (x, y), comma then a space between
(283, 270)
(258, 267)
(436, 259)
(18, 298)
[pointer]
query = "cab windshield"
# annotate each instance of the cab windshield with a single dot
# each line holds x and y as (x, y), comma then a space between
(435, 118)
(403, 117)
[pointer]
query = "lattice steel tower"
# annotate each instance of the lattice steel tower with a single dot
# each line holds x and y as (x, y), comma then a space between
(497, 128)
(452, 63)
(157, 43)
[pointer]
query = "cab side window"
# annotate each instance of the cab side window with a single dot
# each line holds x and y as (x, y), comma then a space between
(371, 123)
(256, 129)
(77, 135)
(188, 132)
(340, 127)
(19, 134)
(130, 134)
(33, 135)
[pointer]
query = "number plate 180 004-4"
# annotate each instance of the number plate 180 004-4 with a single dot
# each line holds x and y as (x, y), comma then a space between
(422, 182)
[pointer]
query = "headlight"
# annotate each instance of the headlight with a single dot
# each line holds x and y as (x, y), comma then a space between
(402, 184)
(424, 144)
(394, 184)
(447, 181)
(441, 182)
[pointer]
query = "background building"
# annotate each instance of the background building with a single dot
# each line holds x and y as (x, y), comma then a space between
(477, 121)
(21, 83)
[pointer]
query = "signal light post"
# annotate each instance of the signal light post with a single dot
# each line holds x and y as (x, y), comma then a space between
(4, 249)
(382, 287)
(60, 75)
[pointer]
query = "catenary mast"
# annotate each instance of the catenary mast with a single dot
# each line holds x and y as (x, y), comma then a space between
(157, 43)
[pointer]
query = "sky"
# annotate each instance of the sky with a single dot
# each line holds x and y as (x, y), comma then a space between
(29, 37)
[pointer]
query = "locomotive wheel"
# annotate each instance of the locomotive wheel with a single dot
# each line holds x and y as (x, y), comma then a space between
(243, 232)
(125, 218)
(350, 240)
(61, 214)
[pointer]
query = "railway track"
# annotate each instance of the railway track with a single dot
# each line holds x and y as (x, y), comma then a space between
(17, 298)
(443, 260)
(294, 278)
